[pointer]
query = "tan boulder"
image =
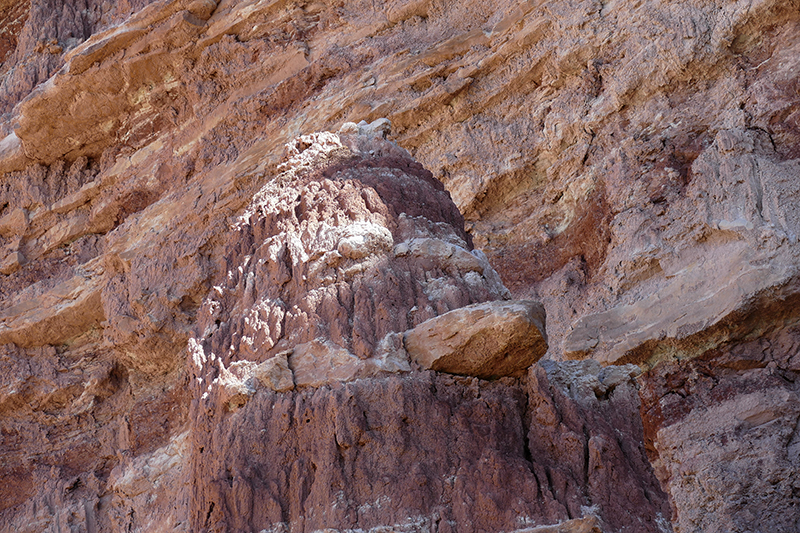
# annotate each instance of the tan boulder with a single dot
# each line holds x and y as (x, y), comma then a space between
(485, 340)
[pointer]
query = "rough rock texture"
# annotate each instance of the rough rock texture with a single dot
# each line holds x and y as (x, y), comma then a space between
(348, 247)
(328, 251)
(393, 452)
(632, 164)
(605, 171)
(722, 431)
(296, 406)
(327, 268)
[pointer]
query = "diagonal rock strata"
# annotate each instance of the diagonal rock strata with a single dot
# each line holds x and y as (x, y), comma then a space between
(630, 164)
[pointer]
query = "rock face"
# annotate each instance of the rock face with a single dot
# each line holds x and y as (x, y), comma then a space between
(202, 331)
(327, 268)
(337, 256)
(722, 428)
(298, 407)
(391, 454)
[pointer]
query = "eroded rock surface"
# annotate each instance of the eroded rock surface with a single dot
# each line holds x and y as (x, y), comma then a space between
(298, 407)
(390, 453)
(326, 266)
(631, 164)
(723, 428)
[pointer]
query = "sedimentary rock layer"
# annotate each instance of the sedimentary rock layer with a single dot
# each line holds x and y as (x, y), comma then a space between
(632, 165)
(297, 406)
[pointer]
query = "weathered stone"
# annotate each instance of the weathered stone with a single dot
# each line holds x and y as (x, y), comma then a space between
(640, 182)
(78, 198)
(317, 271)
(275, 373)
(351, 439)
(578, 525)
(722, 434)
(581, 432)
(65, 311)
(378, 128)
(14, 223)
(11, 263)
(316, 363)
(486, 340)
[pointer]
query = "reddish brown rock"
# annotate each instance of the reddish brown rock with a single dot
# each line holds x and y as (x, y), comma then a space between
(318, 264)
(387, 452)
(72, 425)
(584, 437)
(366, 454)
(384, 451)
(722, 434)
(12, 20)
(630, 164)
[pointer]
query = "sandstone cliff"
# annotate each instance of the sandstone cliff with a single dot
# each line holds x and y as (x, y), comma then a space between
(212, 319)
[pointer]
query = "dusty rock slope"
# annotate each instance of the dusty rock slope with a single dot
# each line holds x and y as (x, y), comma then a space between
(211, 319)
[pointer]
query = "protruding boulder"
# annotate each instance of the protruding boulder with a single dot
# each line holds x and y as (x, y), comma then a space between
(485, 340)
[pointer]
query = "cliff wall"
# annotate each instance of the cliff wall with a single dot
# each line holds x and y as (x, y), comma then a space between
(211, 319)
